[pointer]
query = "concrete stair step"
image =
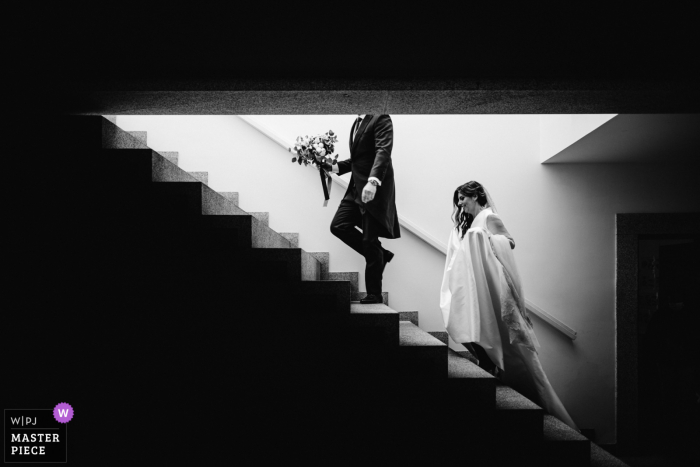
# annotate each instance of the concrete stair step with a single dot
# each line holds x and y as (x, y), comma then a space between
(260, 264)
(443, 337)
(231, 196)
(470, 387)
(562, 442)
(216, 252)
(142, 136)
(300, 264)
(411, 316)
(212, 204)
(196, 199)
(171, 156)
(263, 217)
(518, 416)
(323, 257)
(201, 177)
(353, 277)
(602, 458)
(420, 354)
(114, 137)
(292, 237)
(376, 321)
(357, 296)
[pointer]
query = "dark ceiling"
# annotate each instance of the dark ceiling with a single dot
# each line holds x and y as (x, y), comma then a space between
(522, 59)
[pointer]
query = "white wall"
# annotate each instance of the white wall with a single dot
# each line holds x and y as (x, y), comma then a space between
(557, 132)
(562, 218)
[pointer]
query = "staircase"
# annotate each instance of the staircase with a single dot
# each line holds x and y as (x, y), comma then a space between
(199, 335)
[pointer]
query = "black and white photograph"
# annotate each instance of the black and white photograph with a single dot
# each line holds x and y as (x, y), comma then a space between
(369, 235)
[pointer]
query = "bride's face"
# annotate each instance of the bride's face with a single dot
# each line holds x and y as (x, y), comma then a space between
(468, 204)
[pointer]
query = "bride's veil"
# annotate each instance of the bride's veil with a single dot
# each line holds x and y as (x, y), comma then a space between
(520, 332)
(489, 200)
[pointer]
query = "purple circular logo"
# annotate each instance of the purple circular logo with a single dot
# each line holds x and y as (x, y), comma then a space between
(63, 413)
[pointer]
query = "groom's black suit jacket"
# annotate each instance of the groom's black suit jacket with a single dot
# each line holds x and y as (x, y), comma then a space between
(370, 156)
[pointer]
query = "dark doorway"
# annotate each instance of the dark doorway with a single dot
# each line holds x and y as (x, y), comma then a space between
(667, 336)
(646, 418)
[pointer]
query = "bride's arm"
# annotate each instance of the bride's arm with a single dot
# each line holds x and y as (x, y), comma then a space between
(496, 227)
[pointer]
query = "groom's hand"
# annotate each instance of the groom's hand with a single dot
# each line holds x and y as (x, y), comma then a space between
(368, 193)
(326, 166)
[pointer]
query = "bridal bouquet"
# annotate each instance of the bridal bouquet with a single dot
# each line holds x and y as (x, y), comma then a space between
(308, 149)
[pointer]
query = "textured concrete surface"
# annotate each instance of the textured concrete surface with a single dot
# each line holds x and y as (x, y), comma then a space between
(440, 335)
(140, 135)
(420, 355)
(201, 176)
(508, 398)
(324, 258)
(162, 170)
(353, 277)
(556, 430)
(265, 237)
(459, 367)
(357, 296)
(518, 417)
(377, 316)
(530, 100)
(470, 387)
(601, 458)
(372, 309)
(411, 316)
(413, 336)
(562, 442)
(263, 217)
(231, 196)
(114, 137)
(310, 267)
(172, 156)
(293, 238)
(214, 203)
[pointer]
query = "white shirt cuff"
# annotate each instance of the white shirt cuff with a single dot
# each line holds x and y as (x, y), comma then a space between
(334, 168)
(375, 178)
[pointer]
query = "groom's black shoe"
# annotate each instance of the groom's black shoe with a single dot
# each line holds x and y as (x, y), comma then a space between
(371, 298)
(388, 256)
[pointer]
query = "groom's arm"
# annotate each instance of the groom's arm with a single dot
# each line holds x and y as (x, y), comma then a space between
(383, 142)
(342, 167)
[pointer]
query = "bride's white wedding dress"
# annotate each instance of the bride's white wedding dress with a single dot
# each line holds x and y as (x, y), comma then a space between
(482, 302)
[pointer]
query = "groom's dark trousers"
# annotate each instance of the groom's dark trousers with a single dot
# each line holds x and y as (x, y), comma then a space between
(367, 243)
(370, 143)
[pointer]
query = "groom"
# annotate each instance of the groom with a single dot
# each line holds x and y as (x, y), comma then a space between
(369, 201)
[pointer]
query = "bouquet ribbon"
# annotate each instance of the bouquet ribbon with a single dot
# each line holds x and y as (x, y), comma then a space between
(326, 184)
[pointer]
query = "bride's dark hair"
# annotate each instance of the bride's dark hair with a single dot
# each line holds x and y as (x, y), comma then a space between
(462, 220)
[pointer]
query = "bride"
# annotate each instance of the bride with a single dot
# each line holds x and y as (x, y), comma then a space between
(482, 300)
